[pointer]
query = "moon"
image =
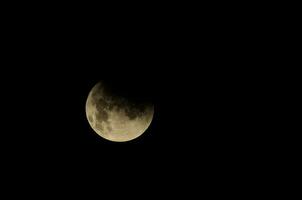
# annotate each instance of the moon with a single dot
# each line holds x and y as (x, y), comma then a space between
(114, 116)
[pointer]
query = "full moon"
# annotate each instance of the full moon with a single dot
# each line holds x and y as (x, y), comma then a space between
(116, 117)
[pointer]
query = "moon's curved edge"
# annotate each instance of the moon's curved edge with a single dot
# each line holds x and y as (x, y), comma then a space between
(91, 118)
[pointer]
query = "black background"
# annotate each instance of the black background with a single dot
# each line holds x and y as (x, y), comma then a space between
(198, 72)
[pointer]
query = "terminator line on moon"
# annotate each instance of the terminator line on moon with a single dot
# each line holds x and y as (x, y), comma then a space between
(116, 118)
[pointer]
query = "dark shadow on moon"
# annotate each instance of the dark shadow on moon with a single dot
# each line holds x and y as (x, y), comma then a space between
(106, 101)
(113, 108)
(136, 111)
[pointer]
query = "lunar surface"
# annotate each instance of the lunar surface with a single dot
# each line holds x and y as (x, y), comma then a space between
(117, 118)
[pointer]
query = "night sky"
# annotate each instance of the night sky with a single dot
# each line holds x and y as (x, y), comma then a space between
(196, 114)
(199, 81)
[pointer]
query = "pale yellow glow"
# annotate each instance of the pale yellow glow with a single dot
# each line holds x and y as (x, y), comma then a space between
(121, 127)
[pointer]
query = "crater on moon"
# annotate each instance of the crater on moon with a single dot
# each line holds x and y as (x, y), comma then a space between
(118, 113)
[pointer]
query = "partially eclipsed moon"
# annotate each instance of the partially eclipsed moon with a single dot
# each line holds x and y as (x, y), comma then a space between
(117, 118)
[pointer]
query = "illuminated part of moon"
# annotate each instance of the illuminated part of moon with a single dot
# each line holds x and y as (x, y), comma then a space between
(115, 118)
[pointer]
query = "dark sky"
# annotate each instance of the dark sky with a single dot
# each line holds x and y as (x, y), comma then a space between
(197, 109)
(199, 79)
